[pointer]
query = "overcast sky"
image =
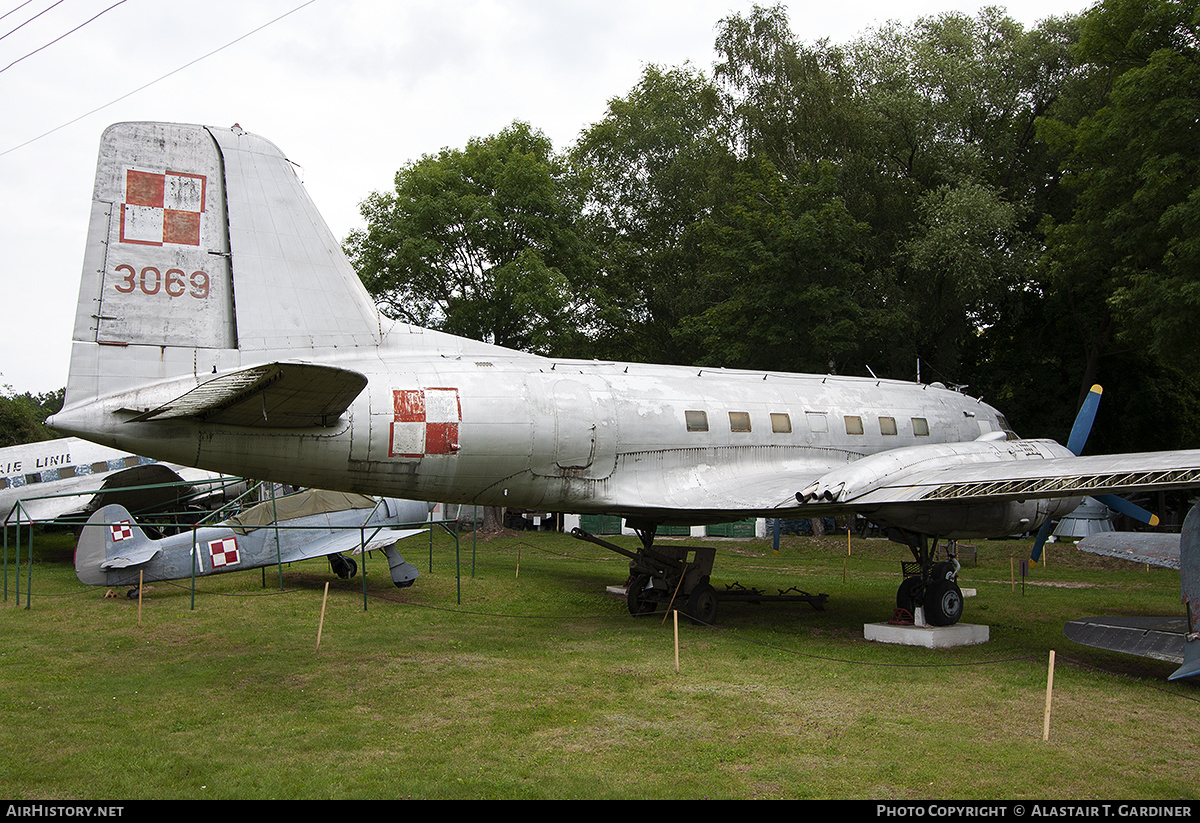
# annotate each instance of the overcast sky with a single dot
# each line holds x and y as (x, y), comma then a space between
(350, 91)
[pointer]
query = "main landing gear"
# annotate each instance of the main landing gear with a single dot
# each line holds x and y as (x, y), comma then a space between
(677, 577)
(929, 585)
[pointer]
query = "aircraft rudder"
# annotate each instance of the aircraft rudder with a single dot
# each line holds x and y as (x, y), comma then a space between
(204, 252)
(109, 532)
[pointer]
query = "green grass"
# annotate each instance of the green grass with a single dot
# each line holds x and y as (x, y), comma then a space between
(538, 684)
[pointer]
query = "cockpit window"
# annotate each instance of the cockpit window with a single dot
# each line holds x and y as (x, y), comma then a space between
(1007, 429)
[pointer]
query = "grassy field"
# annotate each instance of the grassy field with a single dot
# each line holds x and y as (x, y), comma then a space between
(526, 679)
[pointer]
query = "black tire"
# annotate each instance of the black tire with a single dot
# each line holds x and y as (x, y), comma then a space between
(638, 605)
(943, 603)
(904, 595)
(702, 604)
(942, 571)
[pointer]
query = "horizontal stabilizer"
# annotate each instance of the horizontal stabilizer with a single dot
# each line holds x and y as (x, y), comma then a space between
(276, 395)
(137, 557)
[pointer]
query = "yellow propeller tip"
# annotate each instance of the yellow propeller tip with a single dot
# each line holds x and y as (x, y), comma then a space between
(1154, 520)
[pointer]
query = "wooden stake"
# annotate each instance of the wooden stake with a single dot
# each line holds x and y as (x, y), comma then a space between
(141, 584)
(1049, 693)
(676, 613)
(321, 622)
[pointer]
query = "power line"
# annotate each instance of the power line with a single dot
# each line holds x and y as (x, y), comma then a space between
(157, 80)
(61, 36)
(31, 19)
(15, 10)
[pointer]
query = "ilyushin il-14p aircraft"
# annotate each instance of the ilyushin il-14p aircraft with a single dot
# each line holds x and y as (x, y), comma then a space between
(220, 325)
(113, 550)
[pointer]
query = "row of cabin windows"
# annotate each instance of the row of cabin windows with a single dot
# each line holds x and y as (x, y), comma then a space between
(66, 472)
(781, 423)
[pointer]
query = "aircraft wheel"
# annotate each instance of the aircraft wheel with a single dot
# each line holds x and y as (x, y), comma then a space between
(702, 604)
(943, 571)
(633, 597)
(904, 595)
(943, 603)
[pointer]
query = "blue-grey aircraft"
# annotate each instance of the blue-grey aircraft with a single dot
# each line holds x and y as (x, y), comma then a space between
(113, 550)
(220, 325)
(1176, 639)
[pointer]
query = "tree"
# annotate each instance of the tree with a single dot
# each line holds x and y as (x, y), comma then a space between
(652, 168)
(481, 242)
(785, 281)
(23, 416)
(1130, 147)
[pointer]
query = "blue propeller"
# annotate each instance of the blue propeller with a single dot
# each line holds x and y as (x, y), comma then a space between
(1076, 442)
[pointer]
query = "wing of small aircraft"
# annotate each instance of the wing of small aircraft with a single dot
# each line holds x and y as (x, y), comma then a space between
(347, 542)
(1175, 639)
(1152, 548)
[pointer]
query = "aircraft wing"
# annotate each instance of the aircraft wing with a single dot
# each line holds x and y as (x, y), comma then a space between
(1153, 548)
(948, 479)
(346, 540)
(1159, 638)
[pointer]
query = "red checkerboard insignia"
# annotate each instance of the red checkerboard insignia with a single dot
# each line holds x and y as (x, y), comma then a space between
(224, 552)
(426, 422)
(162, 207)
(121, 531)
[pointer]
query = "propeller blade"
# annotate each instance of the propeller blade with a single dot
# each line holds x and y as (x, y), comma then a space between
(1123, 506)
(1084, 420)
(1043, 533)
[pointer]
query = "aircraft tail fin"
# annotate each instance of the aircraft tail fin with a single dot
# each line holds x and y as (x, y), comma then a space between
(111, 541)
(204, 255)
(1189, 573)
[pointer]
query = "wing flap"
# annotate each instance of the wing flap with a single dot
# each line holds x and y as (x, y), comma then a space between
(1037, 479)
(275, 395)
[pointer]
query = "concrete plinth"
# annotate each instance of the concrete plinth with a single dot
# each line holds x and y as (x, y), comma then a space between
(931, 637)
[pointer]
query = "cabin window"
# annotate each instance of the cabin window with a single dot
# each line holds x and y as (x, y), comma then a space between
(781, 423)
(131, 461)
(853, 424)
(920, 427)
(33, 478)
(99, 467)
(817, 422)
(697, 421)
(887, 425)
(739, 421)
(66, 472)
